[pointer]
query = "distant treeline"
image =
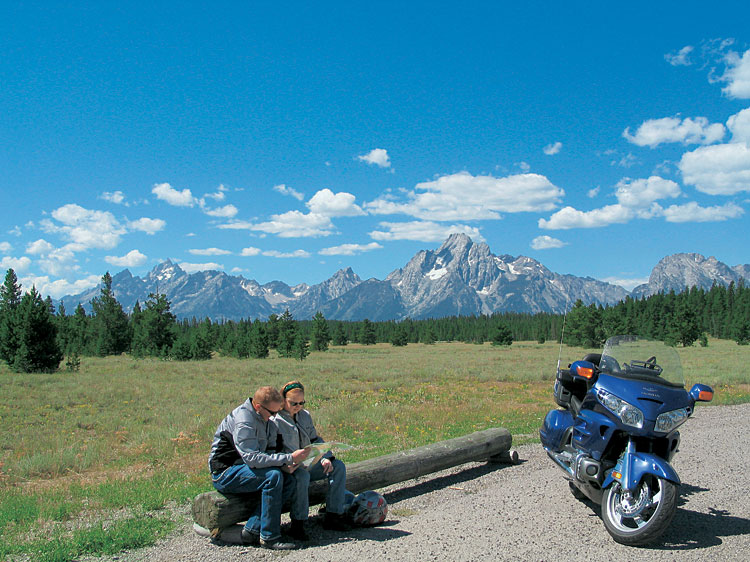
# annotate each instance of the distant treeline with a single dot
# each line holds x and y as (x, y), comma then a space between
(36, 337)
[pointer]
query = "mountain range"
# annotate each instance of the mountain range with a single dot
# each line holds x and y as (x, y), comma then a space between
(459, 278)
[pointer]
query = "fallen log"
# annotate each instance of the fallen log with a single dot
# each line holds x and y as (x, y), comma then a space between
(214, 511)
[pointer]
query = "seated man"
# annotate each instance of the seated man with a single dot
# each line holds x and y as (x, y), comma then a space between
(243, 460)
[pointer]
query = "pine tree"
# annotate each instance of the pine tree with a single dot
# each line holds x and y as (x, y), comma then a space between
(321, 337)
(399, 338)
(272, 330)
(38, 350)
(258, 341)
(300, 348)
(685, 328)
(79, 332)
(200, 344)
(502, 335)
(156, 328)
(367, 335)
(10, 299)
(339, 335)
(110, 322)
(287, 334)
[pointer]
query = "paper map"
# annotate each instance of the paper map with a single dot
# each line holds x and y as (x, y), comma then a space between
(320, 449)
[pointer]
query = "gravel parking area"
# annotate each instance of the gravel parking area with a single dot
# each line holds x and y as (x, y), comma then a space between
(526, 512)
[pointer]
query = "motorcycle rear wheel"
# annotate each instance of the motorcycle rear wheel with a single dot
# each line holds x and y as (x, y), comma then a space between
(642, 518)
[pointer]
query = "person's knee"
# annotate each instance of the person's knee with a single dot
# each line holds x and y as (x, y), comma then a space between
(339, 467)
(274, 478)
(301, 477)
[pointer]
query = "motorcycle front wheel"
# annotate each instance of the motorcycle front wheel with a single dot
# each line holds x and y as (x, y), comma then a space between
(643, 516)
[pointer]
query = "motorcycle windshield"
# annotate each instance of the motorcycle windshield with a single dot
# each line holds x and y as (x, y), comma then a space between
(644, 359)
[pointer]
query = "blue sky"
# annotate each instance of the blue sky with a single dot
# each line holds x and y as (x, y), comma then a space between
(288, 141)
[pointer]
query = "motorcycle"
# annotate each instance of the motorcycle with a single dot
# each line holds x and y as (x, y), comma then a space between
(616, 433)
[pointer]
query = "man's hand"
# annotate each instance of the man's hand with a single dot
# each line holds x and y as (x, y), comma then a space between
(299, 455)
(327, 465)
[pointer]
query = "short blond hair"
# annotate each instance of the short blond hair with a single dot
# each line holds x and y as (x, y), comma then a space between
(267, 395)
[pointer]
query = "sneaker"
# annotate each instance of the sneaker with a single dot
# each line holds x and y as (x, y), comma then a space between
(297, 530)
(335, 522)
(249, 538)
(277, 544)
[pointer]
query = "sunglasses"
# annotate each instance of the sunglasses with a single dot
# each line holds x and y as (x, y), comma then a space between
(293, 404)
(270, 412)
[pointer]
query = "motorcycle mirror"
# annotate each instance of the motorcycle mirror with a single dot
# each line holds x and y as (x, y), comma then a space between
(584, 369)
(702, 393)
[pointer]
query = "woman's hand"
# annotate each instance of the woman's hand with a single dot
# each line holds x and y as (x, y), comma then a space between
(327, 465)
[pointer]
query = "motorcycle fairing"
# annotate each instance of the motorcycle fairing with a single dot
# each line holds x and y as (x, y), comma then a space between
(554, 429)
(634, 466)
(592, 431)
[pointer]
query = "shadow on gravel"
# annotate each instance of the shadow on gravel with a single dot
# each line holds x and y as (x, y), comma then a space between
(432, 484)
(693, 530)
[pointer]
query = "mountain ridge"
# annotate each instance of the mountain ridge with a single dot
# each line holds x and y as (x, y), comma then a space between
(460, 277)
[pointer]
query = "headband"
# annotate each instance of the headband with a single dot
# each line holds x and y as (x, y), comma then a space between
(292, 386)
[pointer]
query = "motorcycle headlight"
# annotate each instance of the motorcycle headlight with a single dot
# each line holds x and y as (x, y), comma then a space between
(628, 414)
(667, 421)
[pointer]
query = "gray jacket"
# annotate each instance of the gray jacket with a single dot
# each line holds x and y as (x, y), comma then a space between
(297, 432)
(244, 436)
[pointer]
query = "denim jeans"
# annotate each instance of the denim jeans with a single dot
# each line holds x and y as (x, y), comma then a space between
(334, 496)
(276, 487)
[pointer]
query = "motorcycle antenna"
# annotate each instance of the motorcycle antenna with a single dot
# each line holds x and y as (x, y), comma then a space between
(562, 332)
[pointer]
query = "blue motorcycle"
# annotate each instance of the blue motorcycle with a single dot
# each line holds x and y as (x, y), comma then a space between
(616, 433)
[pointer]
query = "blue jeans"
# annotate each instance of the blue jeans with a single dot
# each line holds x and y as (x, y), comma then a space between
(276, 488)
(334, 496)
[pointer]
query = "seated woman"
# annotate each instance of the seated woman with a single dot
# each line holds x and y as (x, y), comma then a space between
(297, 431)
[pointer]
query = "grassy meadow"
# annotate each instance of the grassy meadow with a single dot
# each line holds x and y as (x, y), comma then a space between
(97, 459)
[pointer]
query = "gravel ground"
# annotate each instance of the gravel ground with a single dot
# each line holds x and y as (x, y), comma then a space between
(499, 512)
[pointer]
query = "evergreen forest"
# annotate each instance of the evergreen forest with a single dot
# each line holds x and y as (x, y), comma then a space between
(34, 337)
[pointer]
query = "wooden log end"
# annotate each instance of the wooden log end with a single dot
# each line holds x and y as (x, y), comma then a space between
(506, 457)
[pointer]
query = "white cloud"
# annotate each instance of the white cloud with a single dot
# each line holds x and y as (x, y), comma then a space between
(377, 156)
(227, 211)
(132, 259)
(236, 225)
(149, 226)
(635, 199)
(39, 247)
(5, 247)
(654, 132)
(85, 228)
(219, 195)
(737, 75)
(209, 252)
(349, 249)
(294, 254)
(116, 197)
(592, 193)
(692, 212)
(286, 190)
(295, 224)
(524, 166)
(247, 252)
(195, 267)
(640, 193)
(546, 242)
(60, 287)
(422, 231)
(167, 193)
(568, 217)
(16, 264)
(739, 125)
(553, 148)
(680, 58)
(627, 283)
(722, 169)
(330, 204)
(462, 196)
(60, 261)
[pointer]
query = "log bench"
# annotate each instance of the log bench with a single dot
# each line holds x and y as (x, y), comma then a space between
(213, 511)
